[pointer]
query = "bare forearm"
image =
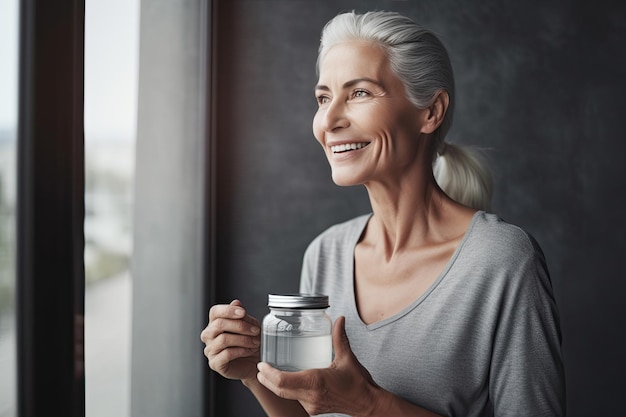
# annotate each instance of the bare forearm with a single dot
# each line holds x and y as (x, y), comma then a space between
(273, 405)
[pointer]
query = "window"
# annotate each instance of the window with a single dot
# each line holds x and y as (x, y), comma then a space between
(165, 243)
(8, 123)
(151, 361)
(111, 57)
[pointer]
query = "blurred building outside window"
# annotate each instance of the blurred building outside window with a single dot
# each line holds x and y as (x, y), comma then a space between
(111, 57)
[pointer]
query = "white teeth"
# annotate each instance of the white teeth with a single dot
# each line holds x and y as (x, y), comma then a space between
(348, 147)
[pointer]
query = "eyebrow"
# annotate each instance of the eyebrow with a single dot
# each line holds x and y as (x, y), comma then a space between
(351, 83)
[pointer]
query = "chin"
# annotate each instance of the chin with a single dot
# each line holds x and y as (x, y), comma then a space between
(345, 180)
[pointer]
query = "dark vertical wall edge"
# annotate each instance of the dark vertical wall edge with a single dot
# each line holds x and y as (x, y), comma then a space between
(50, 240)
(78, 205)
(210, 17)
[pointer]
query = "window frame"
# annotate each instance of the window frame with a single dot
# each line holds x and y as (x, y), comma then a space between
(50, 214)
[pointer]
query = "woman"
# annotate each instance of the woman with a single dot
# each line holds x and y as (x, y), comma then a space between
(440, 308)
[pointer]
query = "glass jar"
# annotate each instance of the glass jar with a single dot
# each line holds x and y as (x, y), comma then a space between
(296, 333)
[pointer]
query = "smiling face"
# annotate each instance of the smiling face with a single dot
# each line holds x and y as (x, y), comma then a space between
(368, 128)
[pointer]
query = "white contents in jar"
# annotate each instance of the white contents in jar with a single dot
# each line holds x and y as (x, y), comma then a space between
(297, 352)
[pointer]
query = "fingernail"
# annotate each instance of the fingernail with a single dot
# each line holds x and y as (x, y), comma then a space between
(256, 341)
(239, 312)
(255, 330)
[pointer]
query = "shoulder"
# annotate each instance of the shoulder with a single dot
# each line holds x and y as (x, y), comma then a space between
(505, 258)
(502, 253)
(491, 234)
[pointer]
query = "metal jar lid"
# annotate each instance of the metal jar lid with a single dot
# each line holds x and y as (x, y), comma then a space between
(298, 301)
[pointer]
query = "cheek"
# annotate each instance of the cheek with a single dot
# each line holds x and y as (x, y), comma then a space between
(380, 116)
(392, 124)
(317, 130)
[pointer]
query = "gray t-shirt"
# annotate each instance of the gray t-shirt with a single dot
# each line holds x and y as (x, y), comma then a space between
(483, 340)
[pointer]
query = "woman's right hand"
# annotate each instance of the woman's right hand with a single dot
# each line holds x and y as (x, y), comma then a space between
(233, 341)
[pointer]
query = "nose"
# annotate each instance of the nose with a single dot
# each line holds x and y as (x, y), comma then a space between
(335, 116)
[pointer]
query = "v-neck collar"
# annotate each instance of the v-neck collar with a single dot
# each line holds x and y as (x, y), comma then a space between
(423, 296)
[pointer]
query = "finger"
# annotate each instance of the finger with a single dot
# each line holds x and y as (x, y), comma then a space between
(222, 325)
(229, 347)
(246, 317)
(274, 380)
(228, 340)
(341, 344)
(230, 353)
(220, 361)
(234, 311)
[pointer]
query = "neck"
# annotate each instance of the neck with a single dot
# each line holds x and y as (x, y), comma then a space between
(413, 213)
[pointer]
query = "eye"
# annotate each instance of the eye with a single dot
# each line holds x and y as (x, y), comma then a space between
(322, 99)
(360, 93)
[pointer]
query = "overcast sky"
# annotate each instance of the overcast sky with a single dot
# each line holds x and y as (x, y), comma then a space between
(8, 63)
(111, 57)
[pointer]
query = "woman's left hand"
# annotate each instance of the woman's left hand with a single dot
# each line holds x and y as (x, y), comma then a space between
(344, 387)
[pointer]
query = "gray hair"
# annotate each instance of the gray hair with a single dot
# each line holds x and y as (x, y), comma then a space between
(421, 62)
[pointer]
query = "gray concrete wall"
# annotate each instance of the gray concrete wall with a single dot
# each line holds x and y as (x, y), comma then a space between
(539, 84)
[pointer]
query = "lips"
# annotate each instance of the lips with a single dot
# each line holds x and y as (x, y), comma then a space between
(346, 147)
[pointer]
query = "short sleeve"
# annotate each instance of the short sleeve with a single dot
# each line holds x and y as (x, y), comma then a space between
(527, 373)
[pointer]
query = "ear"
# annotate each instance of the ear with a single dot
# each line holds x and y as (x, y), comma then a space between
(436, 112)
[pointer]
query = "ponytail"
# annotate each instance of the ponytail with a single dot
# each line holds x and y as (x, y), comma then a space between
(463, 174)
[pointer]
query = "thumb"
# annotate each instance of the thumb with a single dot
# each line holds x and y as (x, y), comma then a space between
(236, 303)
(341, 344)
